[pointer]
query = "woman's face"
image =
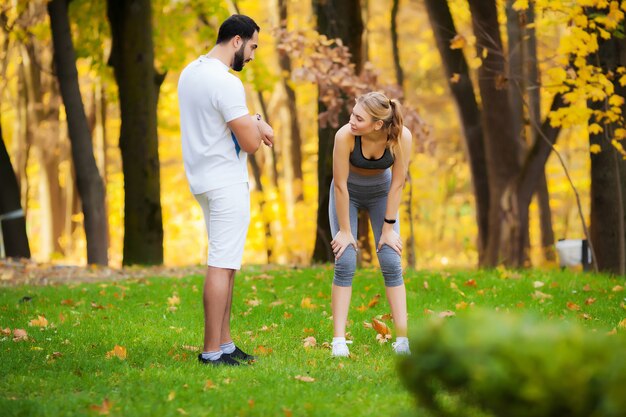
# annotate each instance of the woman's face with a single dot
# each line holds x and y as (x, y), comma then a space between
(361, 122)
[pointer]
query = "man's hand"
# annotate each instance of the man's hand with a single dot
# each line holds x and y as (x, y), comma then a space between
(267, 133)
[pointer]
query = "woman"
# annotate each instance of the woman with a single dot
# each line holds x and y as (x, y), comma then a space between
(370, 161)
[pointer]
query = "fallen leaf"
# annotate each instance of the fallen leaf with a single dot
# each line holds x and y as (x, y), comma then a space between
(171, 396)
(538, 284)
(461, 306)
(5, 332)
(251, 403)
(361, 308)
(587, 288)
(590, 301)
(61, 317)
(428, 311)
(253, 302)
(426, 285)
(304, 378)
(538, 295)
(380, 327)
(383, 338)
(19, 335)
(309, 342)
(374, 301)
(287, 315)
(367, 325)
(182, 411)
(191, 348)
(447, 313)
(103, 409)
(470, 283)
(573, 306)
(308, 330)
(174, 300)
(209, 385)
(40, 321)
(262, 350)
(287, 412)
(306, 303)
(622, 324)
(386, 316)
(118, 351)
(68, 302)
(617, 288)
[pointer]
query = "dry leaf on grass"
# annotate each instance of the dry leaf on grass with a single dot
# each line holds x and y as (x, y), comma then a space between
(118, 352)
(380, 327)
(40, 321)
(102, 409)
(306, 303)
(309, 342)
(19, 335)
(304, 378)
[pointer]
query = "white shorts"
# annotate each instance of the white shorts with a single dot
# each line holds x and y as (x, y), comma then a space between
(227, 215)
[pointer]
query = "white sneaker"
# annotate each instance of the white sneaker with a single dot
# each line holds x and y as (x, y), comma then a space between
(340, 349)
(401, 348)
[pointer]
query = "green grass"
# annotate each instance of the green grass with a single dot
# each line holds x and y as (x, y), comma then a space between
(161, 376)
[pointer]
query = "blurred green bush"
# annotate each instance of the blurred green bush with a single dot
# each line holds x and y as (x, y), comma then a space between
(496, 364)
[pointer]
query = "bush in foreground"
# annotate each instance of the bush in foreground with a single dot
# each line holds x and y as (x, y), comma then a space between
(505, 365)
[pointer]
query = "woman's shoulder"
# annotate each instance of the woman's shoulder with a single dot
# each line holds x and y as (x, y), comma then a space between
(344, 135)
(406, 134)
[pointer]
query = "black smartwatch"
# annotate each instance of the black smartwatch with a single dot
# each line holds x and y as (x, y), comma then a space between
(258, 116)
(390, 221)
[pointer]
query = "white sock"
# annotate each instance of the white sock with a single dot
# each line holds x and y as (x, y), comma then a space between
(212, 356)
(228, 347)
(401, 339)
(339, 340)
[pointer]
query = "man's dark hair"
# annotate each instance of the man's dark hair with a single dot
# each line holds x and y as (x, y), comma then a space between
(237, 24)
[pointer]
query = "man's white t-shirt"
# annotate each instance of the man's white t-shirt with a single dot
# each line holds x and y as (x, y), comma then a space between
(209, 97)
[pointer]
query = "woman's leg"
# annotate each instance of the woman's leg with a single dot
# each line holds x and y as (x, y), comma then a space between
(391, 266)
(345, 267)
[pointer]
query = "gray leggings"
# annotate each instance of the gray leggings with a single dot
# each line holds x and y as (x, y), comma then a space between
(369, 193)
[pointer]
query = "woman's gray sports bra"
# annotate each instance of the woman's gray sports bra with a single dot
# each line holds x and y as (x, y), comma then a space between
(358, 160)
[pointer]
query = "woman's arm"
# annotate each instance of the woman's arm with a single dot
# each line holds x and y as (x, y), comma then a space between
(341, 169)
(398, 177)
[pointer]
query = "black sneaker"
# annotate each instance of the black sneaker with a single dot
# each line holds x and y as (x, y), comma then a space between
(240, 355)
(223, 360)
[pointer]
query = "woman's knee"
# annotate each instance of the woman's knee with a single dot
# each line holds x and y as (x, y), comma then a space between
(391, 266)
(345, 267)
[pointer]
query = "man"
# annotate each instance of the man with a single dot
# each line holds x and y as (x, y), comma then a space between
(217, 134)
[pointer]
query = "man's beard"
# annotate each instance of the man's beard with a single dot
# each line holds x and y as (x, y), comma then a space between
(238, 60)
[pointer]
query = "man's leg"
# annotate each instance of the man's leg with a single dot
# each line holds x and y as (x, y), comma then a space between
(217, 285)
(225, 334)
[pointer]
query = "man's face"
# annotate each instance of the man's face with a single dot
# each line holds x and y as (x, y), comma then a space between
(245, 53)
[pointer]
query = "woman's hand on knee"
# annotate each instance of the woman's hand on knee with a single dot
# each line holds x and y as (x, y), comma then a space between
(341, 241)
(391, 239)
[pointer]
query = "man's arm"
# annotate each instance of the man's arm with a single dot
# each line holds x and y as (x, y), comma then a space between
(250, 131)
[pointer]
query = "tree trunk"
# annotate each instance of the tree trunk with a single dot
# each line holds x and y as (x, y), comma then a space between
(608, 176)
(502, 150)
(534, 115)
(335, 19)
(132, 59)
(515, 81)
(88, 180)
(293, 155)
(462, 90)
(12, 220)
(395, 6)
